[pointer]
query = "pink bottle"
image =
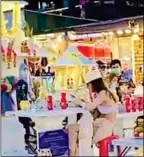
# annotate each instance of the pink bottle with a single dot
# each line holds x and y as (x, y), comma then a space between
(50, 102)
(140, 103)
(63, 102)
(128, 103)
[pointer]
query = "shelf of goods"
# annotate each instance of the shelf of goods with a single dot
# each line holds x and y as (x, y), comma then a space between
(138, 55)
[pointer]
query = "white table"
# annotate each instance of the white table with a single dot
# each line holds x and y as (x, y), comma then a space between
(48, 120)
(49, 113)
(127, 144)
(129, 115)
(52, 120)
(126, 122)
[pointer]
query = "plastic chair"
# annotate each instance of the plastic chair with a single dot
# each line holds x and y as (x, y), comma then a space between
(104, 145)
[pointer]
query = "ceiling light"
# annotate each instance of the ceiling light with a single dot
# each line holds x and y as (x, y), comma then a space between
(135, 37)
(128, 31)
(111, 33)
(136, 30)
(119, 32)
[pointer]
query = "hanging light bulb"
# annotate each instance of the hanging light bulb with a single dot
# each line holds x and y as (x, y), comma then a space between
(135, 37)
(128, 31)
(111, 33)
(136, 30)
(119, 32)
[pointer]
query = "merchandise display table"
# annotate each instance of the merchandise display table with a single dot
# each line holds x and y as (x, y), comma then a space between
(48, 119)
(49, 126)
(127, 144)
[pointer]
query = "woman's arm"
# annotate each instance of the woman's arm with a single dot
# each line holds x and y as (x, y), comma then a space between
(101, 97)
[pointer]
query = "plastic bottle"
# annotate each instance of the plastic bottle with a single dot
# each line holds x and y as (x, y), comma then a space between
(134, 104)
(63, 102)
(140, 103)
(128, 103)
(50, 102)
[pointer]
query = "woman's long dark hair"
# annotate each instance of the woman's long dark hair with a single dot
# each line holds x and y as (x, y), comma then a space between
(98, 85)
(44, 61)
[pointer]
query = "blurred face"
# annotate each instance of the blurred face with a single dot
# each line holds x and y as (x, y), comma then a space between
(114, 80)
(116, 69)
(125, 66)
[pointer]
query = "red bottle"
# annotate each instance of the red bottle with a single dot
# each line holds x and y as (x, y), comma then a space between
(140, 103)
(63, 102)
(134, 105)
(128, 103)
(50, 102)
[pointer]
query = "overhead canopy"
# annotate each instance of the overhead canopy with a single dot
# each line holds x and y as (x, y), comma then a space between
(48, 23)
(108, 25)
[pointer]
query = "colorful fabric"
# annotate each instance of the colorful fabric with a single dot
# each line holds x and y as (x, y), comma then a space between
(7, 103)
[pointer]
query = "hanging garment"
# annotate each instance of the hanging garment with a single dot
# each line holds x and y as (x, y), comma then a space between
(21, 91)
(24, 74)
(28, 124)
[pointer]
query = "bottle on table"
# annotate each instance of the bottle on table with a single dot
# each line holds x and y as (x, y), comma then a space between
(127, 103)
(50, 102)
(134, 104)
(63, 101)
(140, 103)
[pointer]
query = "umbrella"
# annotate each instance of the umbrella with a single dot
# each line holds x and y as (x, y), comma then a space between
(74, 55)
(97, 51)
(66, 60)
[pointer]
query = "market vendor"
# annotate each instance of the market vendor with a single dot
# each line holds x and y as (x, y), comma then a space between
(103, 108)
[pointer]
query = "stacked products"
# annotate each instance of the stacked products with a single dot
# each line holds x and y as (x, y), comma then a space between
(138, 129)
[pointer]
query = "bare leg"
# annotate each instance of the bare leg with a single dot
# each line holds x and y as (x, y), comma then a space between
(103, 129)
(73, 137)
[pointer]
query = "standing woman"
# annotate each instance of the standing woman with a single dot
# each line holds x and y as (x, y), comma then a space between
(103, 108)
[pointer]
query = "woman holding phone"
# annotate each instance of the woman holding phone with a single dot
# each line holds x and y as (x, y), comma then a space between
(103, 107)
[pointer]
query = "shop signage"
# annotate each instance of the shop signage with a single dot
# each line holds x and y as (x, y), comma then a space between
(55, 142)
